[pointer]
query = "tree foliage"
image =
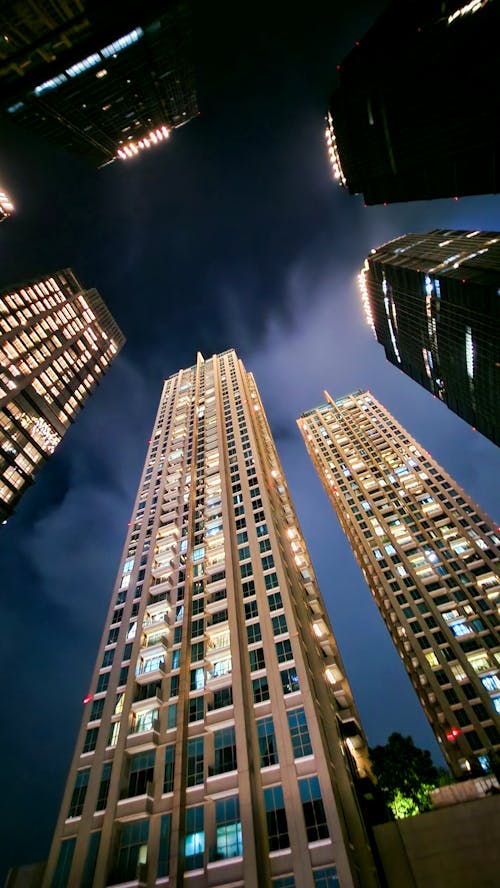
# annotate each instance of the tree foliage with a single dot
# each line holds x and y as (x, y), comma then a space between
(406, 774)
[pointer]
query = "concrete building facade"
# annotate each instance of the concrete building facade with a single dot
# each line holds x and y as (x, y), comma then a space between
(220, 744)
(431, 559)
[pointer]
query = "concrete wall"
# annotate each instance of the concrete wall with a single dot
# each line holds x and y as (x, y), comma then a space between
(455, 847)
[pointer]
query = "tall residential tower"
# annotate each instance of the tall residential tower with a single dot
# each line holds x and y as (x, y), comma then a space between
(412, 117)
(431, 559)
(432, 300)
(220, 742)
(56, 341)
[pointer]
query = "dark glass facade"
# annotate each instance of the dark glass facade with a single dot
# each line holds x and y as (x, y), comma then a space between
(433, 303)
(413, 115)
(103, 80)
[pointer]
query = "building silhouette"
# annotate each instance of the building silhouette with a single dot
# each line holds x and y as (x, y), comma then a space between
(103, 80)
(220, 741)
(413, 115)
(430, 557)
(432, 302)
(57, 339)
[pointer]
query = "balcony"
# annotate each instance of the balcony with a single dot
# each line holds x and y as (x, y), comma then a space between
(157, 621)
(150, 673)
(137, 738)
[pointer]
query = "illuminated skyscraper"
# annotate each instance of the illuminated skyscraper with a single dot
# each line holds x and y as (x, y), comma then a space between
(431, 560)
(411, 118)
(433, 302)
(6, 206)
(104, 80)
(220, 743)
(56, 341)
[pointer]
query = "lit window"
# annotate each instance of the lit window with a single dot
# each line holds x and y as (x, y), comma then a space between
(118, 46)
(228, 826)
(194, 843)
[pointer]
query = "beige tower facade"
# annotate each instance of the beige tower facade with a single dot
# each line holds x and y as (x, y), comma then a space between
(431, 559)
(220, 745)
(57, 340)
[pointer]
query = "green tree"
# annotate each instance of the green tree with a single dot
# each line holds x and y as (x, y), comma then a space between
(406, 774)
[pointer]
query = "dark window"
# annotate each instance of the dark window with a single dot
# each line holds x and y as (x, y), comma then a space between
(122, 678)
(79, 793)
(257, 660)
(225, 750)
(277, 827)
(96, 711)
(90, 740)
(284, 650)
(164, 852)
(197, 652)
(168, 780)
(279, 625)
(461, 717)
(326, 877)
(299, 733)
(141, 772)
(102, 797)
(108, 658)
(60, 878)
(196, 709)
(251, 610)
(127, 653)
(223, 697)
(133, 843)
(195, 761)
(271, 581)
(313, 808)
(260, 689)
(253, 633)
(275, 602)
(267, 742)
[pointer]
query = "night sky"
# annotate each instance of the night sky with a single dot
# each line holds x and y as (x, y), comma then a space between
(231, 235)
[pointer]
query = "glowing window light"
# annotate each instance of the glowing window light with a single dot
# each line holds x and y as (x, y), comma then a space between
(84, 65)
(153, 138)
(391, 330)
(16, 107)
(469, 353)
(333, 151)
(467, 9)
(365, 298)
(50, 84)
(122, 43)
(6, 205)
